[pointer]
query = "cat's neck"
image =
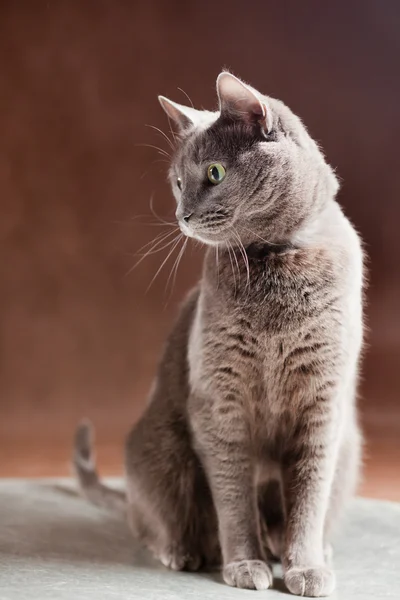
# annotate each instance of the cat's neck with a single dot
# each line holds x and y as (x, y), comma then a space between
(261, 250)
(322, 228)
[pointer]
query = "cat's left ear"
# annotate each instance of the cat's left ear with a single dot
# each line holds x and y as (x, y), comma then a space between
(183, 116)
(239, 101)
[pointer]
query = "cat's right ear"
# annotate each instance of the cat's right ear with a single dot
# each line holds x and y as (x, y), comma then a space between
(240, 101)
(183, 116)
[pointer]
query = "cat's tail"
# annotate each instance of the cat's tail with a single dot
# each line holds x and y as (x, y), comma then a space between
(84, 465)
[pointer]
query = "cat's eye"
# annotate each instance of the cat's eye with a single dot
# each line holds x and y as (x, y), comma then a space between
(216, 173)
(179, 183)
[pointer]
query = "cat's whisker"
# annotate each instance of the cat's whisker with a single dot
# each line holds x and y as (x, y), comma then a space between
(259, 236)
(237, 263)
(161, 160)
(244, 255)
(217, 262)
(175, 267)
(187, 96)
(161, 224)
(171, 130)
(158, 239)
(153, 250)
(148, 253)
(147, 224)
(172, 270)
(154, 162)
(156, 250)
(156, 215)
(245, 258)
(164, 261)
(230, 258)
(163, 134)
(160, 150)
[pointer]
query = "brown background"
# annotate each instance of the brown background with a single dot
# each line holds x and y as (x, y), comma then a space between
(78, 84)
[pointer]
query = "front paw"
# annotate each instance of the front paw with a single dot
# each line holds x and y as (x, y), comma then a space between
(312, 581)
(248, 574)
(177, 559)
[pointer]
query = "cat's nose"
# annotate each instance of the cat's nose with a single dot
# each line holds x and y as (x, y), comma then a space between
(187, 217)
(183, 215)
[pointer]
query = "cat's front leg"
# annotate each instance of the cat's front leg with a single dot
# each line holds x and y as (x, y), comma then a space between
(308, 473)
(223, 443)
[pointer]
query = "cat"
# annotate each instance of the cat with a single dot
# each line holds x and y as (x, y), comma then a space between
(250, 446)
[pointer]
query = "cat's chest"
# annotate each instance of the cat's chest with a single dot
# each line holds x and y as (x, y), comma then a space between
(276, 292)
(239, 366)
(246, 328)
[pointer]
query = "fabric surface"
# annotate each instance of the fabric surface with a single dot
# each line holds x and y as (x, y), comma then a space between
(54, 545)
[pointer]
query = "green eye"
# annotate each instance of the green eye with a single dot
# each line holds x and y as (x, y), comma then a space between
(216, 173)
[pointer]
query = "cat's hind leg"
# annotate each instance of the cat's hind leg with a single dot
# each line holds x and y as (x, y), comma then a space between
(169, 503)
(170, 506)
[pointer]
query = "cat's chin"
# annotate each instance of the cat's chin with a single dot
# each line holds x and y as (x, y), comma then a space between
(207, 238)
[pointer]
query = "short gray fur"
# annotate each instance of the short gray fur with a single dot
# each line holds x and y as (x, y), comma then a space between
(250, 447)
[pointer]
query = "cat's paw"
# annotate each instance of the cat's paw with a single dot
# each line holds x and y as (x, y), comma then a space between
(248, 574)
(177, 559)
(312, 581)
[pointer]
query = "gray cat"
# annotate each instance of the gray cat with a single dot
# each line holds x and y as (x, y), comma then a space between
(250, 447)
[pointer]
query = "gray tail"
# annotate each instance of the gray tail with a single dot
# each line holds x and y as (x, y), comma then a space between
(85, 468)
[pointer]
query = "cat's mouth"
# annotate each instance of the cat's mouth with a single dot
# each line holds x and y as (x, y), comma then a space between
(210, 228)
(207, 235)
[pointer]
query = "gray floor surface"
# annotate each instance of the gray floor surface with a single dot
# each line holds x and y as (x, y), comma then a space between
(53, 545)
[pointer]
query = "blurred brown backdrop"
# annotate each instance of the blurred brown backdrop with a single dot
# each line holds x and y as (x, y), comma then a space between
(78, 84)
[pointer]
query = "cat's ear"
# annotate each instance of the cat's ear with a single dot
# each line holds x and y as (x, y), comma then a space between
(239, 101)
(183, 116)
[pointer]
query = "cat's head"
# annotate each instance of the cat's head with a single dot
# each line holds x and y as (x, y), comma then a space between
(248, 171)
